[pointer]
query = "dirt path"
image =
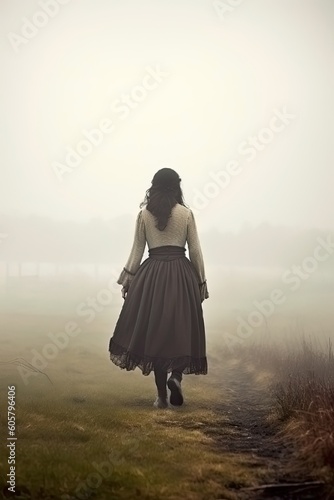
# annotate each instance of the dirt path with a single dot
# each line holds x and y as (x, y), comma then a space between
(246, 408)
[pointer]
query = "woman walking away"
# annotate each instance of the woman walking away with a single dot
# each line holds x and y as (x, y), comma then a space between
(161, 327)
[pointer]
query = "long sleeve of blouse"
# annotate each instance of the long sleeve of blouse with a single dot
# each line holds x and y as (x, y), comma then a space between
(133, 263)
(195, 254)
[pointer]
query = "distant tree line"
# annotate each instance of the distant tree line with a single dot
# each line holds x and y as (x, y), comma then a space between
(36, 238)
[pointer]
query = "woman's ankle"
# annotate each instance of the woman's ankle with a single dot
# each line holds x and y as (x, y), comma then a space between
(177, 375)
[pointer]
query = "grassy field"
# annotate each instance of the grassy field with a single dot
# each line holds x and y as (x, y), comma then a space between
(86, 429)
(91, 431)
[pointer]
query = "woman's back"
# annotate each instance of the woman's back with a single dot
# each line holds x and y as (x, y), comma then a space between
(174, 234)
(181, 229)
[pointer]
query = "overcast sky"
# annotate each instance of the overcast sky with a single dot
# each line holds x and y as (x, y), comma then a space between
(186, 84)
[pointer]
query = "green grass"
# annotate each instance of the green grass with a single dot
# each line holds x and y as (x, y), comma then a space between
(93, 432)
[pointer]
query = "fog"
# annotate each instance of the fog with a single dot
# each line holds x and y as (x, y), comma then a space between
(235, 96)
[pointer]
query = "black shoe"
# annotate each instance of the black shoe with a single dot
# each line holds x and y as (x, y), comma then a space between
(176, 397)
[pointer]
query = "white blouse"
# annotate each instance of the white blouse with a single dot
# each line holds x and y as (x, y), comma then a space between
(181, 229)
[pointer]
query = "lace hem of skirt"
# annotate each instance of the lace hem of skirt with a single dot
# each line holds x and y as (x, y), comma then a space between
(129, 361)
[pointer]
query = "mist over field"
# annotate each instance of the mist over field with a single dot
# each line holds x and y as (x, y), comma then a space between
(114, 91)
(274, 279)
(237, 97)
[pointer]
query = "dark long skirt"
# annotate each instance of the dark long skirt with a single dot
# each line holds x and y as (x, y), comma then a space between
(161, 322)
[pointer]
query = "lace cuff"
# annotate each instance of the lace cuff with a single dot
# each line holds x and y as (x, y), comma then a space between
(203, 290)
(125, 278)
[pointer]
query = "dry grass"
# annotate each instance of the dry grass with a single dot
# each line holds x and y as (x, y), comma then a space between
(303, 393)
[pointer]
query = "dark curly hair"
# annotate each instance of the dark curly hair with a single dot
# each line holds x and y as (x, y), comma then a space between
(163, 195)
